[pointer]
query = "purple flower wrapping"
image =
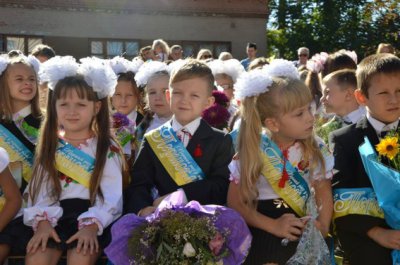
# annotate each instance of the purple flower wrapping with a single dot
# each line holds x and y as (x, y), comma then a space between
(238, 241)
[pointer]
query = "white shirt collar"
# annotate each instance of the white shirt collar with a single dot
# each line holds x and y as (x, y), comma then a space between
(191, 127)
(23, 112)
(380, 126)
(355, 115)
(132, 116)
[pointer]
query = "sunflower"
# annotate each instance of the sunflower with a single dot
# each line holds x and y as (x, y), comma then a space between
(388, 147)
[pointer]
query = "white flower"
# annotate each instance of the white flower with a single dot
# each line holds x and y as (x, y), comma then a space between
(282, 68)
(188, 250)
(253, 83)
(56, 69)
(147, 70)
(232, 68)
(3, 63)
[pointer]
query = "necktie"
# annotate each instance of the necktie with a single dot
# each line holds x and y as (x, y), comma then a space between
(184, 135)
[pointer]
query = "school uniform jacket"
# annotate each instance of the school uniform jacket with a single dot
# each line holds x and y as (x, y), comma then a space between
(148, 172)
(352, 229)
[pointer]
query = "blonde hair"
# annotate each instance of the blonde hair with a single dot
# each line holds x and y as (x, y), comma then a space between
(161, 43)
(292, 94)
(6, 111)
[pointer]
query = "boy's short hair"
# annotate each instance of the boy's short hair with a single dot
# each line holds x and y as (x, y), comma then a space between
(193, 69)
(251, 45)
(383, 63)
(43, 50)
(345, 78)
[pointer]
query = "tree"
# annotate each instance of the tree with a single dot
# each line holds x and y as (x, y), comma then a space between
(330, 25)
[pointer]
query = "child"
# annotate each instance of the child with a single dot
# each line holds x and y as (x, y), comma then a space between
(205, 152)
(338, 98)
(270, 186)
(20, 113)
(126, 100)
(76, 188)
(161, 50)
(10, 203)
(154, 77)
(362, 231)
(226, 74)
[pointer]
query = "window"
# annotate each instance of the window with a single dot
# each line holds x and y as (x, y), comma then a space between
(22, 43)
(112, 48)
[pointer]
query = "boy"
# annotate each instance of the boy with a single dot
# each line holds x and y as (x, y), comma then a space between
(338, 98)
(185, 153)
(361, 229)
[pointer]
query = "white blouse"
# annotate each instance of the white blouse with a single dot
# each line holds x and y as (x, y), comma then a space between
(295, 157)
(156, 122)
(104, 211)
(4, 159)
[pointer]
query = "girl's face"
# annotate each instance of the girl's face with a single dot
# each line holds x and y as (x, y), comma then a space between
(156, 96)
(23, 85)
(226, 82)
(124, 99)
(75, 114)
(294, 125)
(158, 49)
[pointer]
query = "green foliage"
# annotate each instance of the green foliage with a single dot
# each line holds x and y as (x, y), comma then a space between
(330, 25)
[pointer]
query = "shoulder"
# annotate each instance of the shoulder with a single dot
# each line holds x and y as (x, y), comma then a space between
(345, 133)
(213, 132)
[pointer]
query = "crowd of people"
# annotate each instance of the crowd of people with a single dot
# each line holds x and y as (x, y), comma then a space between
(84, 142)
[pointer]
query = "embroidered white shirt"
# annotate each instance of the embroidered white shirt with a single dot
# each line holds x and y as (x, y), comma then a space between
(22, 113)
(105, 211)
(4, 159)
(295, 157)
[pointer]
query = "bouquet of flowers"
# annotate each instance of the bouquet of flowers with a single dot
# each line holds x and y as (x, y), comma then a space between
(123, 128)
(325, 128)
(180, 234)
(217, 115)
(385, 179)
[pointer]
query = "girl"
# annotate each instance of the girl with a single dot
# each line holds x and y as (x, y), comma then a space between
(155, 79)
(126, 100)
(161, 49)
(270, 185)
(76, 188)
(10, 201)
(20, 119)
(20, 114)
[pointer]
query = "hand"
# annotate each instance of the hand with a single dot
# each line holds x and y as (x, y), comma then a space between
(87, 239)
(157, 201)
(323, 229)
(385, 237)
(146, 211)
(43, 233)
(288, 226)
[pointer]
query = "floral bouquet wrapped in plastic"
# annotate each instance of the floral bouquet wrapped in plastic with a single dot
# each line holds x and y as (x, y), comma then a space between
(385, 179)
(123, 128)
(180, 234)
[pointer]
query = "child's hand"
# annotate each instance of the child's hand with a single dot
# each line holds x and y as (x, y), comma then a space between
(387, 238)
(146, 211)
(324, 230)
(87, 239)
(43, 233)
(288, 226)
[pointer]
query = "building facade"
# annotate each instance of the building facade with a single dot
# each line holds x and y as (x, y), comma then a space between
(107, 28)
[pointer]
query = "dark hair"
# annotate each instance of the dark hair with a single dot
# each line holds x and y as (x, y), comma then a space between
(251, 45)
(193, 69)
(336, 61)
(43, 50)
(345, 78)
(382, 63)
(46, 149)
(14, 53)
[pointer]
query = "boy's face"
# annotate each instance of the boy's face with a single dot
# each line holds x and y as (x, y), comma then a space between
(334, 97)
(383, 102)
(188, 99)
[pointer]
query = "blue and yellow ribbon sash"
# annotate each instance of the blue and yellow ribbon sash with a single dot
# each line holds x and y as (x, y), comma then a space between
(173, 155)
(74, 163)
(355, 201)
(17, 151)
(296, 191)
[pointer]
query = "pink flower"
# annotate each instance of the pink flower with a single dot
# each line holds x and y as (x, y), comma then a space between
(216, 244)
